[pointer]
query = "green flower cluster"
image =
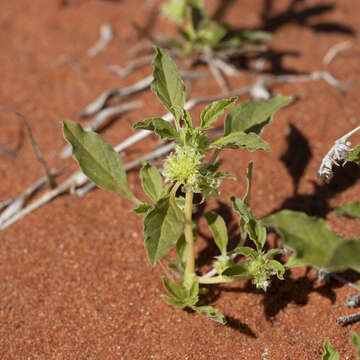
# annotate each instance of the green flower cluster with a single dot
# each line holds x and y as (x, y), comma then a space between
(185, 166)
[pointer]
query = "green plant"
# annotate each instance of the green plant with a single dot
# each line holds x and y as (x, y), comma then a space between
(332, 354)
(168, 217)
(199, 33)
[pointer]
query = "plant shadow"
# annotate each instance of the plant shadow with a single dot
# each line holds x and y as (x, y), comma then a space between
(297, 12)
(297, 156)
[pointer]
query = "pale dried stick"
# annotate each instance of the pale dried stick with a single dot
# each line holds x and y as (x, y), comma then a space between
(315, 75)
(334, 50)
(140, 85)
(101, 119)
(106, 36)
(14, 205)
(100, 101)
(348, 319)
(5, 203)
(130, 67)
(218, 76)
(64, 186)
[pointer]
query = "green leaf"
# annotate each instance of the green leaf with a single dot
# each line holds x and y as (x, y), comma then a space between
(354, 155)
(218, 229)
(181, 248)
(273, 252)
(277, 267)
(345, 256)
(222, 175)
(176, 290)
(160, 126)
(167, 84)
(213, 110)
(247, 196)
(257, 35)
(350, 209)
(151, 182)
(142, 209)
(355, 341)
(174, 302)
(240, 139)
(162, 227)
(97, 159)
(311, 238)
(211, 35)
(246, 251)
(253, 116)
(253, 226)
(211, 313)
(240, 271)
(194, 291)
(174, 9)
(330, 352)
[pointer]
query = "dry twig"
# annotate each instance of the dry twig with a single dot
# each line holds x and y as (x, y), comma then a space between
(334, 50)
(106, 36)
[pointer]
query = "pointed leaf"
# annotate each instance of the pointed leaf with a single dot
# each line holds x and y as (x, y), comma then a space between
(142, 208)
(240, 139)
(277, 267)
(176, 290)
(253, 116)
(351, 209)
(174, 302)
(162, 227)
(211, 313)
(246, 251)
(273, 252)
(160, 126)
(151, 182)
(97, 159)
(253, 226)
(167, 84)
(218, 229)
(240, 271)
(345, 256)
(311, 238)
(213, 110)
(354, 155)
(330, 352)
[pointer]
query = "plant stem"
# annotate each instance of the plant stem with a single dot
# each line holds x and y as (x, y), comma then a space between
(189, 237)
(214, 280)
